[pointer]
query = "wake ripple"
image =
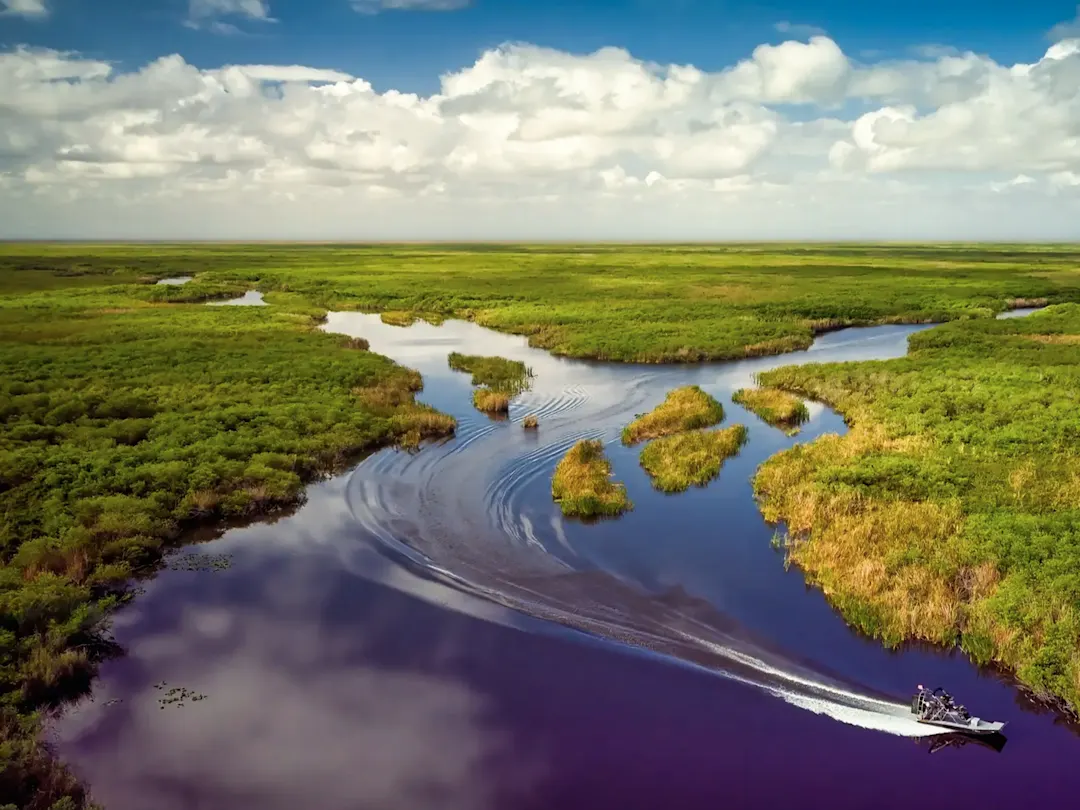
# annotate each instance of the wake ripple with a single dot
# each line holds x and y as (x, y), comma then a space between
(457, 513)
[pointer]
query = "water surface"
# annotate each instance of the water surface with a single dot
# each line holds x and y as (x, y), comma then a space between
(428, 631)
(252, 298)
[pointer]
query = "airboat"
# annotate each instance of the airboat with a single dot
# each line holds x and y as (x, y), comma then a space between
(935, 707)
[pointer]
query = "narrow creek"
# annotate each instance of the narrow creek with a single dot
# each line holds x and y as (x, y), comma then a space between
(428, 631)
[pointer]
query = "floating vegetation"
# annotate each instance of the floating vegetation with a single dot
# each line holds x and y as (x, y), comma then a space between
(530, 422)
(582, 484)
(499, 380)
(683, 409)
(675, 463)
(177, 696)
(778, 408)
(199, 562)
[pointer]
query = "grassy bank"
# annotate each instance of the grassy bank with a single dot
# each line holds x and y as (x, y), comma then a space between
(951, 510)
(778, 408)
(582, 484)
(675, 303)
(127, 412)
(499, 380)
(686, 408)
(675, 463)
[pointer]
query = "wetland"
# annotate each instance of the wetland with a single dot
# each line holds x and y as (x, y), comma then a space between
(432, 606)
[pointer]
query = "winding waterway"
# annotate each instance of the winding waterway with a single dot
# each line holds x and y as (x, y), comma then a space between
(428, 631)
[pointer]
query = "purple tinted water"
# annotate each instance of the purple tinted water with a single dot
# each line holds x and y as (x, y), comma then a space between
(427, 631)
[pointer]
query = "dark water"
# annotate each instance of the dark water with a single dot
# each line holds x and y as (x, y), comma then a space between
(429, 632)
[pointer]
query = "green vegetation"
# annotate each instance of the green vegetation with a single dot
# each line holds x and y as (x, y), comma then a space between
(677, 303)
(778, 408)
(128, 413)
(951, 510)
(683, 409)
(500, 380)
(582, 484)
(496, 373)
(675, 463)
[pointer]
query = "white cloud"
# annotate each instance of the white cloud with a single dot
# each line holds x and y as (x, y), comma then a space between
(375, 6)
(1068, 29)
(206, 14)
(626, 147)
(24, 8)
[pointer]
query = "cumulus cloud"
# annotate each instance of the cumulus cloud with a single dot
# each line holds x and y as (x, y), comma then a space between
(1068, 29)
(600, 135)
(375, 6)
(24, 8)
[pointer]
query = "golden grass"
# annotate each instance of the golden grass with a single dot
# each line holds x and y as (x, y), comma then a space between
(394, 397)
(778, 408)
(530, 422)
(892, 567)
(582, 484)
(491, 401)
(675, 463)
(683, 409)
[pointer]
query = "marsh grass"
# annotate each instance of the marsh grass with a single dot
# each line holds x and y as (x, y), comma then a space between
(490, 400)
(498, 373)
(401, 319)
(675, 463)
(777, 408)
(630, 303)
(683, 409)
(582, 484)
(530, 422)
(950, 512)
(499, 380)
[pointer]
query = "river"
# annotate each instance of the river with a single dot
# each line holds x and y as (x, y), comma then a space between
(428, 631)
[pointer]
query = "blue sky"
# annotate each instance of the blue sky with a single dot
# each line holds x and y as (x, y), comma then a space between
(537, 119)
(409, 49)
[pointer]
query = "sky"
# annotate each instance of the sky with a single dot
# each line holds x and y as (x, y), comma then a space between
(539, 119)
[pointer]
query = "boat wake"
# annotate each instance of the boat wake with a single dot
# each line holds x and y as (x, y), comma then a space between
(475, 514)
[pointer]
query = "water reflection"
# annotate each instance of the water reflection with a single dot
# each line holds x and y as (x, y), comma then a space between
(178, 281)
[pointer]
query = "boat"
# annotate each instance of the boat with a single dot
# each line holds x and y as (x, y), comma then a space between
(935, 707)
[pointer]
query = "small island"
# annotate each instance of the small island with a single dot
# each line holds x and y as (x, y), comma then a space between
(687, 408)
(582, 484)
(675, 463)
(779, 408)
(498, 380)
